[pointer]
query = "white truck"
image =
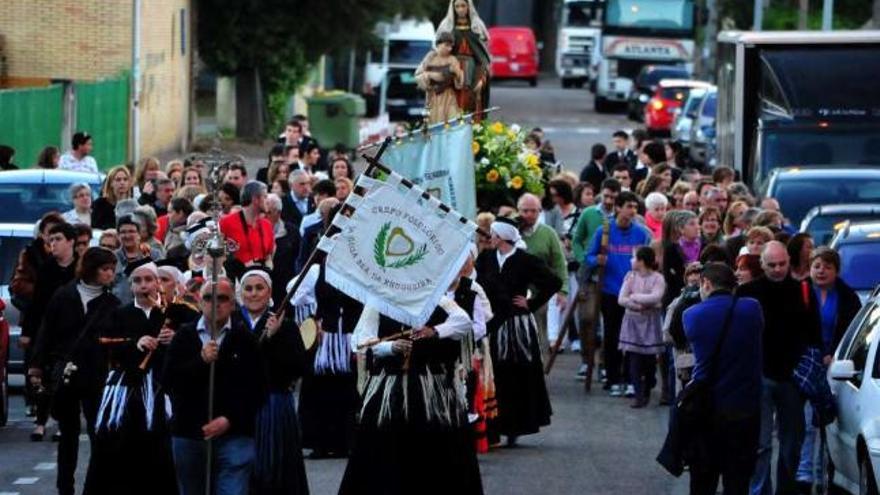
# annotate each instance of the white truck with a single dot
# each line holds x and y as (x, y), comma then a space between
(636, 33)
(578, 35)
(389, 77)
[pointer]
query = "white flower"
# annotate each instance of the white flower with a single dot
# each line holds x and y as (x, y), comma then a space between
(484, 161)
(515, 128)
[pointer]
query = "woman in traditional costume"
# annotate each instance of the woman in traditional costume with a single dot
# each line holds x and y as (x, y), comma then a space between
(278, 465)
(132, 431)
(413, 434)
(329, 397)
(506, 273)
(471, 48)
(440, 75)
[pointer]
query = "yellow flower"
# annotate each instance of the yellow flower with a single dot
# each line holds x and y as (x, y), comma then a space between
(476, 147)
(492, 176)
(497, 128)
(532, 160)
(511, 134)
(516, 182)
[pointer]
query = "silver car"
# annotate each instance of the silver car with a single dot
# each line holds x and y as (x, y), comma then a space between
(681, 130)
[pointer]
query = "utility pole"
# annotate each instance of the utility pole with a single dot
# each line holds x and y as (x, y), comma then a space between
(711, 39)
(803, 14)
(827, 15)
(759, 15)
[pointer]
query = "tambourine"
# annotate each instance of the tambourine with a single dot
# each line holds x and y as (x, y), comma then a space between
(308, 330)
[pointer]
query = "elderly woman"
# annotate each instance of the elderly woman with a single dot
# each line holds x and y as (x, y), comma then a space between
(278, 466)
(655, 206)
(838, 305)
(710, 226)
(81, 195)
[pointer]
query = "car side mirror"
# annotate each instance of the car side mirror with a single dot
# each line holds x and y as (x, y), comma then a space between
(843, 370)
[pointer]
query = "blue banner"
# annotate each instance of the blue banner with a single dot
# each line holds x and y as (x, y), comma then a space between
(441, 163)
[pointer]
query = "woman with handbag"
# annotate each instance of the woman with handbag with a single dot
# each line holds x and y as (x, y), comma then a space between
(67, 347)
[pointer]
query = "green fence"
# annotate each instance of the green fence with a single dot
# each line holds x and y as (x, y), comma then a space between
(30, 119)
(102, 111)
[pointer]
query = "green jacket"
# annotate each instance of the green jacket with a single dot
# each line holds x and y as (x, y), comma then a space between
(587, 225)
(544, 243)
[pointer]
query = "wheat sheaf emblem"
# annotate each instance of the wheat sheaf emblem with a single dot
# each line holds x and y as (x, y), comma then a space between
(393, 248)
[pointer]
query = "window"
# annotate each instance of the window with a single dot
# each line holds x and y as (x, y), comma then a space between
(861, 342)
(860, 263)
(650, 15)
(798, 196)
(581, 14)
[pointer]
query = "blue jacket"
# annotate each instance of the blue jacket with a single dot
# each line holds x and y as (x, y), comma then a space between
(739, 369)
(621, 244)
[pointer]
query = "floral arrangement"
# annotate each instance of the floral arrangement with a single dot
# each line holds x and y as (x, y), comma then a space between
(504, 168)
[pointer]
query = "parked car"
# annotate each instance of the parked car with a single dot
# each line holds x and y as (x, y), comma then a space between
(646, 83)
(799, 189)
(514, 54)
(702, 140)
(852, 458)
(822, 222)
(13, 239)
(684, 119)
(667, 101)
(25, 195)
(859, 248)
(4, 373)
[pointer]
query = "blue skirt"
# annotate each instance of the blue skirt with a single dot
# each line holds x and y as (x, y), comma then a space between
(278, 466)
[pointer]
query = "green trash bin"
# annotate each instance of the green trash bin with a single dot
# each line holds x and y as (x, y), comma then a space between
(334, 117)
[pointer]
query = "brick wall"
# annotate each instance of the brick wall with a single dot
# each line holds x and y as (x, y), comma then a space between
(66, 39)
(91, 39)
(165, 75)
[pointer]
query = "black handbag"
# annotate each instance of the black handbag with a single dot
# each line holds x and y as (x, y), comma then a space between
(692, 413)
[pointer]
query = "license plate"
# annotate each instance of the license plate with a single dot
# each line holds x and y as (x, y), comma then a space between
(514, 67)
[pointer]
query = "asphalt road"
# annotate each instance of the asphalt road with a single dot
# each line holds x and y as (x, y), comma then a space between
(595, 445)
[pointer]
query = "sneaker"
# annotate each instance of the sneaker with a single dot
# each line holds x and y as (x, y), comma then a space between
(617, 390)
(602, 377)
(630, 391)
(581, 373)
(576, 346)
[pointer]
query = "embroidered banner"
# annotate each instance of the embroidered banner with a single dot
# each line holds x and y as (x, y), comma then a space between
(441, 163)
(398, 251)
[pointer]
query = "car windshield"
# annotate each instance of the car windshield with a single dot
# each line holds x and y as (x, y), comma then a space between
(653, 77)
(822, 228)
(651, 15)
(677, 94)
(860, 264)
(10, 247)
(798, 196)
(26, 203)
(820, 146)
(693, 102)
(407, 52)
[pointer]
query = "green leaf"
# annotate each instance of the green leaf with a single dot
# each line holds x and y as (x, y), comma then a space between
(379, 245)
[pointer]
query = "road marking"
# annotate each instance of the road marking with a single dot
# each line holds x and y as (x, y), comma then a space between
(10, 493)
(45, 466)
(26, 481)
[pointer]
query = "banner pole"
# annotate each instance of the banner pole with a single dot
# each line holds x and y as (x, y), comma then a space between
(427, 129)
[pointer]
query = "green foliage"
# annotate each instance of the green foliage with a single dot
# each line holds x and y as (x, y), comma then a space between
(783, 14)
(379, 244)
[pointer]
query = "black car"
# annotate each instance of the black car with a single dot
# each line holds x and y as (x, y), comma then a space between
(799, 189)
(646, 83)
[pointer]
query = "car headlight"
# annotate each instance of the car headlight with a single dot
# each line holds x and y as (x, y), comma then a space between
(643, 98)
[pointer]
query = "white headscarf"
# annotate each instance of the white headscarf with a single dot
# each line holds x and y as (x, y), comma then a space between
(254, 273)
(146, 267)
(508, 233)
(477, 26)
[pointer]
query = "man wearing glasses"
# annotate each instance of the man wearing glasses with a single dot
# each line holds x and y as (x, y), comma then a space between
(239, 391)
(791, 323)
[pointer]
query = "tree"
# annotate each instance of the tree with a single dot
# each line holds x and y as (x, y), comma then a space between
(269, 45)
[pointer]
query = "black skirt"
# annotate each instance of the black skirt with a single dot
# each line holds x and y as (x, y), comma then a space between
(327, 408)
(413, 437)
(278, 464)
(520, 390)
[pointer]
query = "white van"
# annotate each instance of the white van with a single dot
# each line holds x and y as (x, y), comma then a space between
(404, 44)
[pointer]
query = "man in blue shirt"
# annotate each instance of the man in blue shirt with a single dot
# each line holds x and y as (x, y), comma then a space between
(735, 374)
(624, 237)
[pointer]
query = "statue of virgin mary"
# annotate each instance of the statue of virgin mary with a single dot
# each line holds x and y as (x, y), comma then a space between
(471, 48)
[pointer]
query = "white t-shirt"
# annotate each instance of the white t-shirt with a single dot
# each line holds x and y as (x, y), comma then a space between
(69, 162)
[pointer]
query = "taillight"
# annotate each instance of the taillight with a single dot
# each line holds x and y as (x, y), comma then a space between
(657, 104)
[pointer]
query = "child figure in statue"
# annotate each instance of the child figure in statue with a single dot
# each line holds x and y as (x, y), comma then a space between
(471, 49)
(440, 75)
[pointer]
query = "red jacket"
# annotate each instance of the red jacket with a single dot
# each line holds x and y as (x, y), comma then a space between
(254, 244)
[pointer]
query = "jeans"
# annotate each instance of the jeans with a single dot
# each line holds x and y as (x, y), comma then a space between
(733, 445)
(784, 399)
(810, 469)
(232, 463)
(612, 316)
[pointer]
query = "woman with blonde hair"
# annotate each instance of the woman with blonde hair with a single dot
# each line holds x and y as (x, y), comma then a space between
(147, 170)
(734, 211)
(192, 177)
(117, 187)
(174, 171)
